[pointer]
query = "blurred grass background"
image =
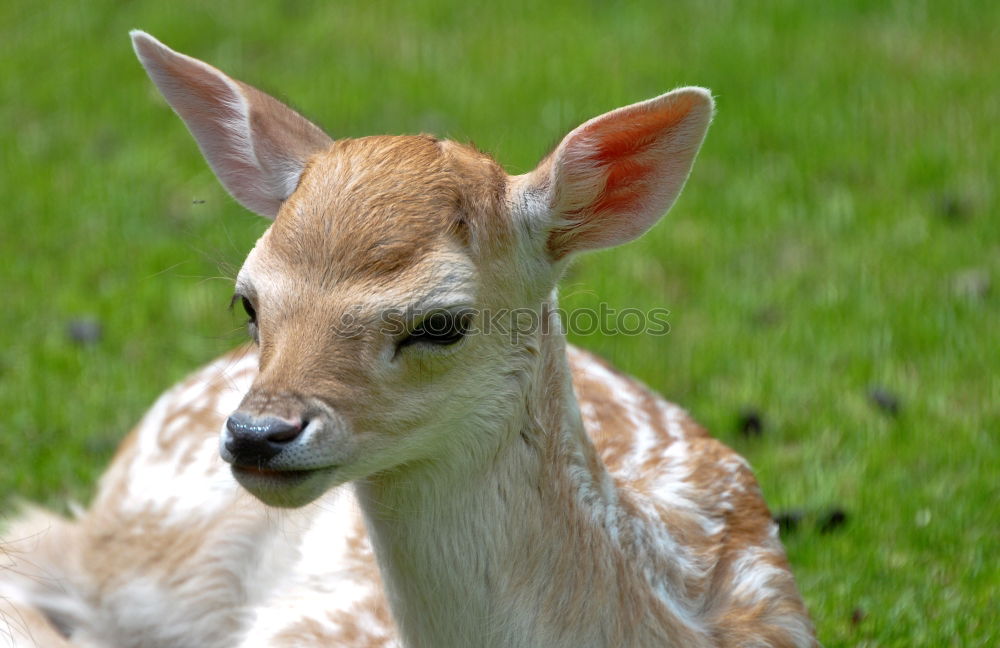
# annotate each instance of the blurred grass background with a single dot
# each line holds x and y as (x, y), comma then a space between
(831, 268)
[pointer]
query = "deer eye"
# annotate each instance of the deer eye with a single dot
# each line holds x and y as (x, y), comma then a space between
(250, 311)
(248, 307)
(441, 328)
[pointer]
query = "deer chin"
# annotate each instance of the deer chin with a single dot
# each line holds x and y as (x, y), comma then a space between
(285, 488)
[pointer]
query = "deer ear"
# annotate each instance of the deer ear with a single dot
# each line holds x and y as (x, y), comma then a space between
(256, 145)
(613, 177)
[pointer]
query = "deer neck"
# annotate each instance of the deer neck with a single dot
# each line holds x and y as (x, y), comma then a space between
(518, 552)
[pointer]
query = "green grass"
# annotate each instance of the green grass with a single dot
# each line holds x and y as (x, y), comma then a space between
(839, 232)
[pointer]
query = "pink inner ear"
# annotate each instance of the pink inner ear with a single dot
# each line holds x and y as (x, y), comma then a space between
(623, 151)
(622, 191)
(616, 175)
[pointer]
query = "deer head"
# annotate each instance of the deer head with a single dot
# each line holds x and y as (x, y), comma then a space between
(374, 295)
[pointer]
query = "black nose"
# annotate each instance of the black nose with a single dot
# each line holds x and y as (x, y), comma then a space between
(253, 441)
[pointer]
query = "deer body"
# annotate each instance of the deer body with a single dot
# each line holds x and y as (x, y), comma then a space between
(516, 492)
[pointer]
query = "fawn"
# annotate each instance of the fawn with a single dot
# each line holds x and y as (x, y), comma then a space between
(507, 490)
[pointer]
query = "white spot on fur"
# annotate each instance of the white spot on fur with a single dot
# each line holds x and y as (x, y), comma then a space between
(190, 481)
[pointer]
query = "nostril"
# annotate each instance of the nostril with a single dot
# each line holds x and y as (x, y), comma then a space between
(281, 431)
(236, 425)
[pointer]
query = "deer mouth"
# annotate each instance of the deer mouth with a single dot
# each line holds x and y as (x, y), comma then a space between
(271, 477)
(270, 472)
(282, 488)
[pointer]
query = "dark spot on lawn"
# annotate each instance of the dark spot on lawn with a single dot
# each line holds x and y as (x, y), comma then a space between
(750, 422)
(766, 317)
(857, 616)
(788, 521)
(105, 143)
(953, 208)
(832, 520)
(197, 201)
(884, 400)
(84, 331)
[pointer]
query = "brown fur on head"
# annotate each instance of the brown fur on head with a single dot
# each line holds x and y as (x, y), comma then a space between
(367, 208)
